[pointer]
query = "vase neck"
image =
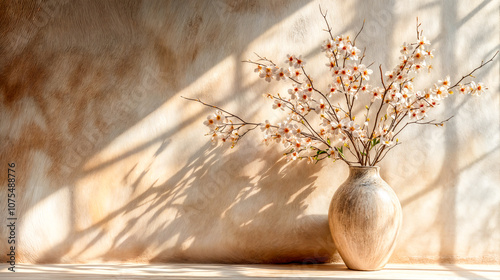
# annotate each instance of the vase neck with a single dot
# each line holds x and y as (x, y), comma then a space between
(363, 171)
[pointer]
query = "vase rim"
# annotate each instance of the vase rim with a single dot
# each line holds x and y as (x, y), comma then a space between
(364, 167)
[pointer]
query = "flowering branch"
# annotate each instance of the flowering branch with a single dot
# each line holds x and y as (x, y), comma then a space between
(338, 135)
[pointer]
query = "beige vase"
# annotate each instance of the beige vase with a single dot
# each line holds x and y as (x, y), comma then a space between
(365, 216)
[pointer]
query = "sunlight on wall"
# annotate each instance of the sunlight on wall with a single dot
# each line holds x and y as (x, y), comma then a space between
(118, 164)
(45, 224)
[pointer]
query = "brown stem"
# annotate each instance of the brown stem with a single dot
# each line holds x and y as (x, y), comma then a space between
(307, 124)
(330, 108)
(354, 42)
(218, 108)
(382, 101)
(386, 152)
(329, 29)
(377, 155)
(418, 33)
(477, 68)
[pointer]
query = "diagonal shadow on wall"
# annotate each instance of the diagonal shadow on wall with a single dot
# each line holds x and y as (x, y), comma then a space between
(94, 121)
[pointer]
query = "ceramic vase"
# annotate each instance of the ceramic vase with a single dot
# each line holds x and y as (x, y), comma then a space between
(365, 217)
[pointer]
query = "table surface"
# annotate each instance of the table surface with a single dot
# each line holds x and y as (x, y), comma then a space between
(246, 271)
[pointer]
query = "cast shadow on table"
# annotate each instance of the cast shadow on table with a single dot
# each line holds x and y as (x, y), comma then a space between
(184, 271)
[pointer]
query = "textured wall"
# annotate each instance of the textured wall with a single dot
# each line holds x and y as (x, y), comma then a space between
(112, 164)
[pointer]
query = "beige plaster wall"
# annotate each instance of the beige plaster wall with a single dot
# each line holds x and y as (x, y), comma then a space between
(112, 164)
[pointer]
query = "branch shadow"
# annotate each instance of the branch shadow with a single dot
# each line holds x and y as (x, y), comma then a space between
(448, 174)
(212, 199)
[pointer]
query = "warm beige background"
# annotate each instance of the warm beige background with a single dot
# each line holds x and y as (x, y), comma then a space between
(112, 164)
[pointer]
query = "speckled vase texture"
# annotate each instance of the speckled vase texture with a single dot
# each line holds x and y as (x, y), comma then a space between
(365, 217)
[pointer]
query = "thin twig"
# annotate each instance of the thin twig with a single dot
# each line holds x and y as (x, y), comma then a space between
(330, 108)
(477, 68)
(306, 122)
(418, 25)
(329, 29)
(386, 152)
(218, 108)
(361, 29)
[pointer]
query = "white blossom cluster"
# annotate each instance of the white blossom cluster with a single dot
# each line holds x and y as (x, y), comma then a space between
(222, 128)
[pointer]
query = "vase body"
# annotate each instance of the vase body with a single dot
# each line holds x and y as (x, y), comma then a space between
(365, 217)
